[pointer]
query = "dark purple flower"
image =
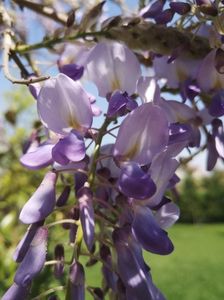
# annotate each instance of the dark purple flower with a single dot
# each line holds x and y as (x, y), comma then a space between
(219, 60)
(181, 8)
(149, 234)
(16, 292)
(165, 16)
(216, 108)
(77, 281)
(120, 103)
(85, 198)
(73, 71)
(152, 10)
(34, 259)
(135, 183)
(179, 133)
(59, 256)
(63, 198)
(42, 203)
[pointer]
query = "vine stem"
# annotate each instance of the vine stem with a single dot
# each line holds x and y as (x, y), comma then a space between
(48, 292)
(96, 153)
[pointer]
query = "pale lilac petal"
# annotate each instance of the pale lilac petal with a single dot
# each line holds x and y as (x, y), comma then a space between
(69, 148)
(148, 89)
(208, 78)
(177, 112)
(96, 111)
(42, 203)
(87, 215)
(142, 135)
(162, 170)
(34, 260)
(149, 234)
(112, 66)
(64, 105)
(135, 183)
(38, 158)
(167, 215)
(16, 292)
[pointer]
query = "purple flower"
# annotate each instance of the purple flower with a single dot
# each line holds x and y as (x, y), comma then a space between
(77, 281)
(216, 108)
(152, 9)
(63, 105)
(86, 215)
(69, 148)
(34, 259)
(112, 66)
(42, 202)
(148, 233)
(135, 183)
(73, 71)
(120, 103)
(208, 77)
(16, 292)
(142, 135)
(181, 8)
(167, 215)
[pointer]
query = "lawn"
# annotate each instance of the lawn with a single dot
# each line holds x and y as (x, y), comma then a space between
(195, 270)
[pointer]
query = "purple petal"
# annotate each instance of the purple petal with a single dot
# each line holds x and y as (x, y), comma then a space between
(142, 135)
(112, 66)
(135, 183)
(117, 104)
(64, 105)
(149, 234)
(151, 10)
(24, 244)
(73, 71)
(162, 170)
(39, 158)
(219, 60)
(148, 89)
(216, 108)
(208, 78)
(77, 281)
(179, 133)
(70, 148)
(167, 215)
(181, 8)
(212, 153)
(59, 256)
(42, 203)
(34, 260)
(63, 198)
(16, 292)
(87, 215)
(164, 17)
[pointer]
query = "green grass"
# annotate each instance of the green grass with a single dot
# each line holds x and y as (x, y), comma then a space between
(194, 271)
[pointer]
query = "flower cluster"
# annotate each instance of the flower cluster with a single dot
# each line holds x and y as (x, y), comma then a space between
(121, 184)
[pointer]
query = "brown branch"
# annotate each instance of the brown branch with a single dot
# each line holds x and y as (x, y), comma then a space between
(8, 52)
(44, 10)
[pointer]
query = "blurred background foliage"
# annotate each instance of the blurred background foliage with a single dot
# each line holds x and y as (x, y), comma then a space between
(200, 198)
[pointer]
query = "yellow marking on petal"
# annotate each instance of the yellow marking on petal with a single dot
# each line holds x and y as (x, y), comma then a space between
(74, 123)
(116, 84)
(131, 153)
